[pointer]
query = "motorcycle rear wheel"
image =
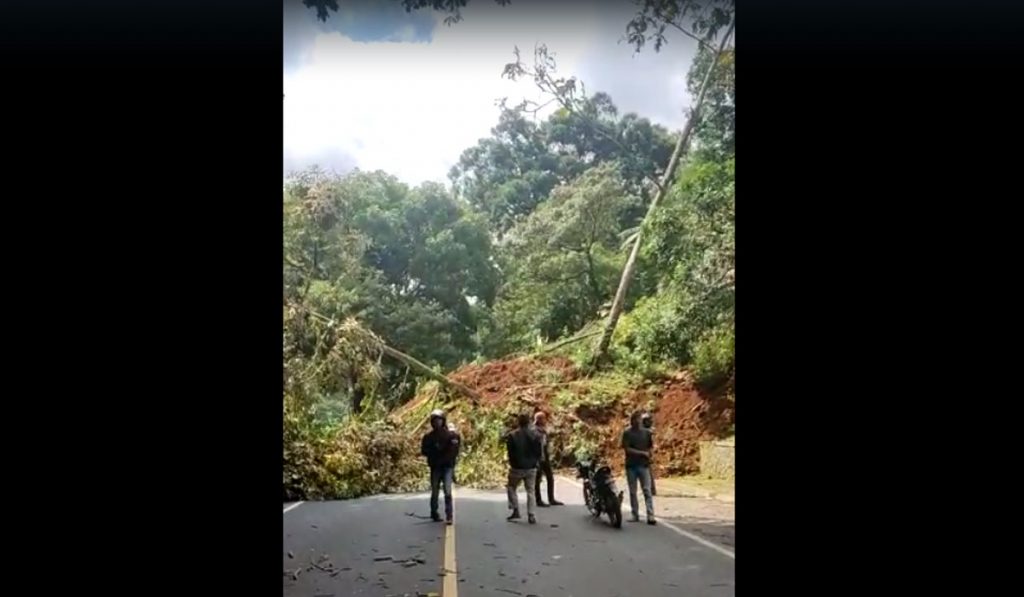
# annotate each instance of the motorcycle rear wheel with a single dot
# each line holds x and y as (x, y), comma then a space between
(615, 513)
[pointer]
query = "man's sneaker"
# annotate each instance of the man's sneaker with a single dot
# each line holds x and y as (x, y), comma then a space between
(532, 519)
(651, 521)
(634, 518)
(541, 504)
(555, 503)
(448, 521)
(514, 515)
(435, 517)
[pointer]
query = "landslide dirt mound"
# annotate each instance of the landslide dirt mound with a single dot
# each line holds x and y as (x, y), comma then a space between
(530, 381)
(536, 378)
(683, 413)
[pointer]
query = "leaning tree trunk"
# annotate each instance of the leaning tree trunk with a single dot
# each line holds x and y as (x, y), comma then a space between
(666, 180)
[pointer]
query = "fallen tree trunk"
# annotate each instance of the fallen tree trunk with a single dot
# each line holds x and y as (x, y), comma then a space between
(428, 372)
(570, 341)
(410, 361)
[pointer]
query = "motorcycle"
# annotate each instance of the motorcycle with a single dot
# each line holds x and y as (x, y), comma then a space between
(599, 491)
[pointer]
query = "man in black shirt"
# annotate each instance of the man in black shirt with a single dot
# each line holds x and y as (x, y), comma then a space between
(544, 465)
(441, 447)
(638, 443)
(524, 450)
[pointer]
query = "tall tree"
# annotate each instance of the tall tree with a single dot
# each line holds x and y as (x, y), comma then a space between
(507, 175)
(559, 263)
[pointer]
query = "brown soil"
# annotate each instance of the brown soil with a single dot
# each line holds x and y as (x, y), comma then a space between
(536, 379)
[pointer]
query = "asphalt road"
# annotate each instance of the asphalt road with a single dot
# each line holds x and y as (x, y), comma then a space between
(386, 545)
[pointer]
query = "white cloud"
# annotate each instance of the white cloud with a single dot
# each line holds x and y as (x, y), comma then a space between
(412, 108)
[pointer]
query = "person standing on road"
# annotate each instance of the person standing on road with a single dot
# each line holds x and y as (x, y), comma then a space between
(648, 422)
(638, 443)
(544, 465)
(511, 425)
(441, 448)
(524, 450)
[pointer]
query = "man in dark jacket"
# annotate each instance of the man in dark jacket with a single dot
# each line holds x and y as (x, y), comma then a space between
(544, 466)
(441, 448)
(524, 451)
(638, 445)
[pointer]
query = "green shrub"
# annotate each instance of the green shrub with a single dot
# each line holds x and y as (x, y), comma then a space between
(348, 460)
(713, 355)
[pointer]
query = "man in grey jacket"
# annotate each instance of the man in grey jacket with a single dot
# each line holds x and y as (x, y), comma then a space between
(524, 451)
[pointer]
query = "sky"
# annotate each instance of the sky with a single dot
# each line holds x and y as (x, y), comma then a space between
(378, 88)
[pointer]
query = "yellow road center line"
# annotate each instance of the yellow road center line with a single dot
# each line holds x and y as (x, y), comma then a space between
(451, 581)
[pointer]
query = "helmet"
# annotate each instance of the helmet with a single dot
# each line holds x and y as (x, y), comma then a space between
(438, 413)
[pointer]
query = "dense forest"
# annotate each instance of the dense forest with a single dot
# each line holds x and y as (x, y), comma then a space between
(525, 248)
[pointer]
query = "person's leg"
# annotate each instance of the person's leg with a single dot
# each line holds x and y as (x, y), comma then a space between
(631, 483)
(510, 489)
(550, 474)
(449, 474)
(536, 488)
(645, 482)
(513, 496)
(435, 485)
(531, 478)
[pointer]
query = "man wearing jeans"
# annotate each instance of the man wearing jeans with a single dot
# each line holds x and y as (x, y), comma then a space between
(524, 451)
(638, 443)
(441, 447)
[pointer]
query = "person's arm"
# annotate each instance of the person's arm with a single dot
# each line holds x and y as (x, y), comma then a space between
(509, 448)
(425, 446)
(457, 442)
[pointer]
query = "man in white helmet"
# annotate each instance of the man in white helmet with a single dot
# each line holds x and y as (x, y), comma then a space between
(441, 448)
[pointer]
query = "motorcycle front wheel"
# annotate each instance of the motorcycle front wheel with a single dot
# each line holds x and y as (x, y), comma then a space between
(588, 501)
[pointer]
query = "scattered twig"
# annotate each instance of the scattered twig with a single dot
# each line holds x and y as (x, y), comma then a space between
(321, 568)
